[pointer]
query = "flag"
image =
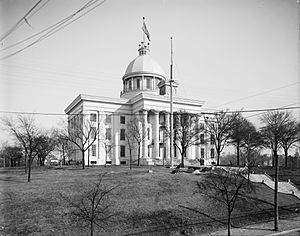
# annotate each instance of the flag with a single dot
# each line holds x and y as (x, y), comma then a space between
(144, 28)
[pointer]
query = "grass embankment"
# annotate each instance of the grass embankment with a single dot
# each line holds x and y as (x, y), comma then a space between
(143, 203)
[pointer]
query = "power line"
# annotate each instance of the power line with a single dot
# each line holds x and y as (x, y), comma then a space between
(22, 20)
(130, 114)
(54, 28)
(284, 107)
(258, 94)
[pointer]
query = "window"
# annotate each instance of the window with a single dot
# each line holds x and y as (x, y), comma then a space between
(93, 117)
(212, 139)
(138, 83)
(108, 119)
(148, 81)
(212, 153)
(202, 153)
(94, 150)
(148, 133)
(122, 119)
(201, 138)
(129, 85)
(122, 151)
(108, 133)
(93, 133)
(201, 126)
(122, 134)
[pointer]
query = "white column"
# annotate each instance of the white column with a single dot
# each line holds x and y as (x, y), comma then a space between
(115, 138)
(156, 135)
(144, 130)
(116, 148)
(167, 140)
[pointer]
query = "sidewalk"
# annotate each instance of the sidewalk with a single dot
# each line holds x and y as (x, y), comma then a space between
(287, 226)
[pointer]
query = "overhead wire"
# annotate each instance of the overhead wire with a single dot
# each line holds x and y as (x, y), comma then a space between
(131, 114)
(55, 28)
(19, 22)
(258, 94)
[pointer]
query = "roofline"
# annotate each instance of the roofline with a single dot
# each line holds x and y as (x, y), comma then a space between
(140, 73)
(93, 98)
(176, 99)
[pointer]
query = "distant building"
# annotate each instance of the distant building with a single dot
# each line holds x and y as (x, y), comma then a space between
(146, 93)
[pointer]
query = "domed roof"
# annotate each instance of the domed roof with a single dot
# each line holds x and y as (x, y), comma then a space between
(144, 64)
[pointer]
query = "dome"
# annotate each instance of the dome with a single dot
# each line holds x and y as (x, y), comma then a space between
(144, 64)
(143, 74)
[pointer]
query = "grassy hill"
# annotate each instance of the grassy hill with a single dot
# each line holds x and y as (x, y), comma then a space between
(143, 203)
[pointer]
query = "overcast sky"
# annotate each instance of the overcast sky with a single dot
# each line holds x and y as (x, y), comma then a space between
(235, 54)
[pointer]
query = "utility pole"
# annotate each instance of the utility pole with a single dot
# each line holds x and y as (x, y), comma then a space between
(171, 106)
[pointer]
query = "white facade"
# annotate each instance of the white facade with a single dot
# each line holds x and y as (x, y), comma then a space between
(145, 94)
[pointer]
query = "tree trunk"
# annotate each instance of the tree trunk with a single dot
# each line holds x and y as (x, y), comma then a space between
(139, 152)
(130, 158)
(286, 157)
(29, 169)
(276, 216)
(83, 164)
(88, 158)
(238, 154)
(92, 228)
(25, 163)
(229, 223)
(218, 157)
(64, 158)
(41, 161)
(182, 157)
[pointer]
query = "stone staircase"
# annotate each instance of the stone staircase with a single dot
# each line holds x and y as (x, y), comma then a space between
(283, 187)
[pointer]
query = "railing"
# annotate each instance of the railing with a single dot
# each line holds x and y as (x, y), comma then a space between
(269, 176)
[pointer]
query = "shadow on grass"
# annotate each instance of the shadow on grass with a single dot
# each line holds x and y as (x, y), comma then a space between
(10, 179)
(224, 220)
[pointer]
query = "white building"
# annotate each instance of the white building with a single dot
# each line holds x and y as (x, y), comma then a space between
(146, 94)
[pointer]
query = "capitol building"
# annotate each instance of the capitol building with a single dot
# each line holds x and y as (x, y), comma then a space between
(146, 95)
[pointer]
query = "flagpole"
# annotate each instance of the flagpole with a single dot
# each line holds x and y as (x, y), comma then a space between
(143, 31)
(171, 106)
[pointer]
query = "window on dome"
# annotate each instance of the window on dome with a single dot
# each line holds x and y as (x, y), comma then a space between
(138, 83)
(148, 83)
(129, 85)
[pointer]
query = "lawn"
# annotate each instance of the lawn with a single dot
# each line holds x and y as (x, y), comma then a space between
(143, 203)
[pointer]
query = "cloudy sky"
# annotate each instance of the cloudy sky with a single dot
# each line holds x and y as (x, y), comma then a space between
(233, 54)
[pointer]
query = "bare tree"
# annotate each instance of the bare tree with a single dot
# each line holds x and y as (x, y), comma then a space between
(11, 155)
(225, 187)
(186, 132)
(26, 132)
(135, 134)
(92, 208)
(252, 145)
(130, 144)
(290, 136)
(108, 146)
(219, 126)
(239, 134)
(82, 133)
(273, 130)
(64, 147)
(46, 144)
